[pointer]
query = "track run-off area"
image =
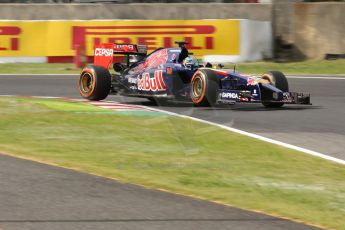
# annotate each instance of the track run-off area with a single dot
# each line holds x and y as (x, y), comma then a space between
(319, 127)
(65, 199)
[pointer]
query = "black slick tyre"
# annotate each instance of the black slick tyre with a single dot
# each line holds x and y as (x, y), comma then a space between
(94, 83)
(204, 86)
(278, 80)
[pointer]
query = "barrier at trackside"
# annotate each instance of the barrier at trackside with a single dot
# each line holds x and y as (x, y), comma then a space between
(213, 40)
(255, 44)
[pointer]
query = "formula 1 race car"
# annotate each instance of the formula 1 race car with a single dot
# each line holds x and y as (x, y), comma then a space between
(173, 73)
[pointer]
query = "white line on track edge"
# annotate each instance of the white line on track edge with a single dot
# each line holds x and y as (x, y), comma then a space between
(311, 77)
(253, 135)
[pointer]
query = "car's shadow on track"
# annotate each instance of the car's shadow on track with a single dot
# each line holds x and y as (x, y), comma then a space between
(236, 107)
(258, 108)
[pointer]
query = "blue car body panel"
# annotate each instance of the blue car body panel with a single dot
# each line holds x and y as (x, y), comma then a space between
(161, 74)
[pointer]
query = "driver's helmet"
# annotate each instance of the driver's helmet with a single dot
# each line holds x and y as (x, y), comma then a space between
(133, 58)
(190, 62)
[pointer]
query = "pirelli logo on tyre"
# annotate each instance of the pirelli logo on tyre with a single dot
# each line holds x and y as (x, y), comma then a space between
(218, 37)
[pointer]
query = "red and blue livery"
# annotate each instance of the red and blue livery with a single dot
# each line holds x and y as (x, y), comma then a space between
(174, 74)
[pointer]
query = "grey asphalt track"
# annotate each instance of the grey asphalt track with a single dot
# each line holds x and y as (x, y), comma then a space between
(37, 196)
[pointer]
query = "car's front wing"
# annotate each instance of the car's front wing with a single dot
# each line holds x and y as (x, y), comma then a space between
(234, 96)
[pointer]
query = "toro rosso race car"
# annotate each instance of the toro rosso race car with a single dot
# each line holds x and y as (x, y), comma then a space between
(173, 73)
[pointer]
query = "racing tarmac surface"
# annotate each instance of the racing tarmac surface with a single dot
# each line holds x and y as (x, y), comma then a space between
(319, 127)
(38, 196)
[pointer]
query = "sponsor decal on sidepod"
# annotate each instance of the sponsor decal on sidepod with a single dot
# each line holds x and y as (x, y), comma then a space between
(230, 95)
(147, 83)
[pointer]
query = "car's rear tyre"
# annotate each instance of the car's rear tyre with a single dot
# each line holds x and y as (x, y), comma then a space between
(94, 83)
(204, 86)
(278, 80)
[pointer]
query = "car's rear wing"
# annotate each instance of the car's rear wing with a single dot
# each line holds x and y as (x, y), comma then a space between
(104, 52)
(130, 49)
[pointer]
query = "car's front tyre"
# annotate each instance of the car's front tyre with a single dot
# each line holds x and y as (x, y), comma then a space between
(278, 80)
(204, 86)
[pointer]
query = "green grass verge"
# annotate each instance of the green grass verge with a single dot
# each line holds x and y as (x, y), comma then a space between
(306, 67)
(178, 155)
(38, 68)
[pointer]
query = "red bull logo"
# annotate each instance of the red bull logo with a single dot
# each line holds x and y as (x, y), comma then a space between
(156, 83)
